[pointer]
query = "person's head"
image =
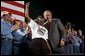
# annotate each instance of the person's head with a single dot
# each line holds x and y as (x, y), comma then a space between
(75, 33)
(41, 20)
(18, 23)
(68, 23)
(47, 15)
(68, 31)
(6, 16)
(80, 32)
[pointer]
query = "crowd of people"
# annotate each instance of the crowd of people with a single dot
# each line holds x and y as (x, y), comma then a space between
(74, 40)
(43, 36)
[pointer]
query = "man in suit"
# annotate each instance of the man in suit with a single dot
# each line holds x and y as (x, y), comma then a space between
(56, 32)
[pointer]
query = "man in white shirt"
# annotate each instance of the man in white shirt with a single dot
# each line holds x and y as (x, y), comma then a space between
(39, 44)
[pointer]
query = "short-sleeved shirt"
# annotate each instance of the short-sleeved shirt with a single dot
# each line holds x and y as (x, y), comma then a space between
(38, 31)
(6, 29)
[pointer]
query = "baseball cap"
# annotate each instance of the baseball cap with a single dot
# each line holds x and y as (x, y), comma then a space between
(5, 12)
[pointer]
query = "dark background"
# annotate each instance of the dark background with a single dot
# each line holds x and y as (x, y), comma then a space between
(65, 10)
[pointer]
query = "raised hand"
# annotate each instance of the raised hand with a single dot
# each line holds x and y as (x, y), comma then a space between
(27, 12)
(27, 4)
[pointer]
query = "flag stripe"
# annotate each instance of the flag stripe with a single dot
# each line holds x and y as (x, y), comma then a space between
(14, 3)
(12, 11)
(18, 17)
(12, 7)
(21, 2)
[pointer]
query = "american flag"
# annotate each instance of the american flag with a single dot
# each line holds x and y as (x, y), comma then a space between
(14, 7)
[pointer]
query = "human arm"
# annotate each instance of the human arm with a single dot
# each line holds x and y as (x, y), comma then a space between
(27, 12)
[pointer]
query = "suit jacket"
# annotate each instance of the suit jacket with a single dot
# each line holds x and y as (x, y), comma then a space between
(57, 31)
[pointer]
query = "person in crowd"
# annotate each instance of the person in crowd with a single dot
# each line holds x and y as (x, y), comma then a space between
(18, 35)
(6, 33)
(69, 42)
(39, 44)
(81, 36)
(76, 42)
(68, 24)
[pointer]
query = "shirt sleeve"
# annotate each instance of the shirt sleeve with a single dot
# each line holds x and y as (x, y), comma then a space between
(20, 33)
(33, 24)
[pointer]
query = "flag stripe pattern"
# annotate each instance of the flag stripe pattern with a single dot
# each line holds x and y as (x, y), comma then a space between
(14, 7)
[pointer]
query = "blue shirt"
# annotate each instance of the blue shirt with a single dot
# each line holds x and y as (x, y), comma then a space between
(18, 34)
(6, 29)
(76, 41)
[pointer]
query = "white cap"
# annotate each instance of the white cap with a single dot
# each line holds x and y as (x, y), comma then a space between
(4, 12)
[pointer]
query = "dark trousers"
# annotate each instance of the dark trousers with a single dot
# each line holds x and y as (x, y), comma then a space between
(39, 47)
(83, 47)
(69, 49)
(16, 48)
(24, 46)
(76, 49)
(58, 49)
(6, 46)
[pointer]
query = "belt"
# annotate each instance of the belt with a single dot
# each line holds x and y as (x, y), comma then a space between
(6, 38)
